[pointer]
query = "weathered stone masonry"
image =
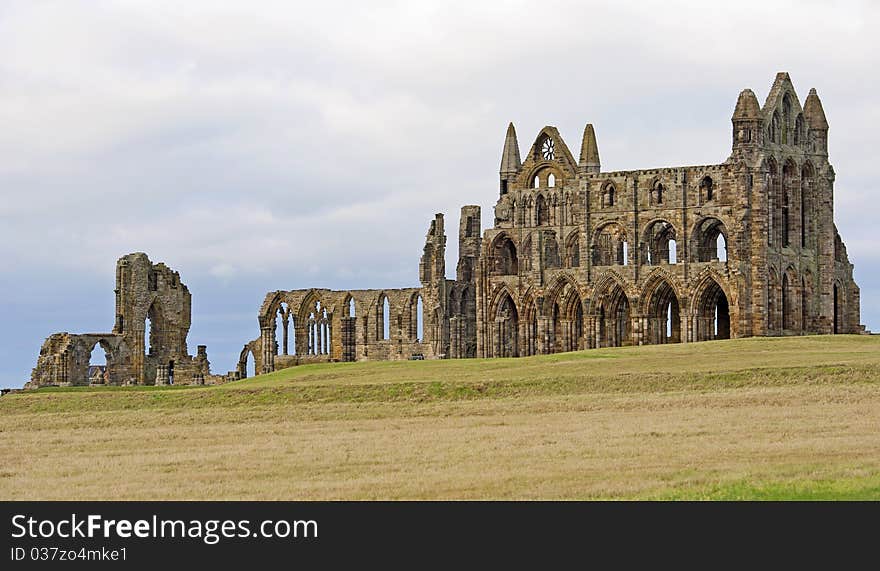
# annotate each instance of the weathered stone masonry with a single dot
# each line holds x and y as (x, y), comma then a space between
(356, 325)
(144, 291)
(579, 258)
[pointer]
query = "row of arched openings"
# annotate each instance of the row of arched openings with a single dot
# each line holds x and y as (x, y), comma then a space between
(790, 302)
(515, 331)
(784, 128)
(611, 247)
(657, 195)
(544, 210)
(791, 203)
(316, 332)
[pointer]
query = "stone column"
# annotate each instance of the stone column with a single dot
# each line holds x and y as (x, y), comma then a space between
(268, 343)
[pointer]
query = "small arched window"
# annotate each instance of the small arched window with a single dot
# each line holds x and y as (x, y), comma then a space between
(551, 180)
(786, 118)
(707, 189)
(608, 196)
(537, 182)
(658, 193)
(774, 128)
(542, 212)
(800, 130)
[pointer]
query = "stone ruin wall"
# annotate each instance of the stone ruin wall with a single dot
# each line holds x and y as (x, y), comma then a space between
(144, 291)
(580, 258)
(577, 258)
(320, 325)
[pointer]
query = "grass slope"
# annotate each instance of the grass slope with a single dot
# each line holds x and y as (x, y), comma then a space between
(780, 418)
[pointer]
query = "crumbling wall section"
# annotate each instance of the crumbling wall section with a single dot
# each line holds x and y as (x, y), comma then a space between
(148, 342)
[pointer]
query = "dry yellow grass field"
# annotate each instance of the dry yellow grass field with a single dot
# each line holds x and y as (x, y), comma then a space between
(752, 419)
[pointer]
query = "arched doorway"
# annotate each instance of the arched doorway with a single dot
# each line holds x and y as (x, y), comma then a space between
(712, 318)
(98, 370)
(247, 364)
(506, 334)
(612, 317)
(664, 314)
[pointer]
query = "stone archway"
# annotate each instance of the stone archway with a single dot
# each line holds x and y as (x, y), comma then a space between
(711, 312)
(612, 316)
(663, 314)
(505, 328)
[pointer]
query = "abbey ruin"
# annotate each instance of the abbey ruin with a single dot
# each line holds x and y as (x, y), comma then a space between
(147, 345)
(576, 259)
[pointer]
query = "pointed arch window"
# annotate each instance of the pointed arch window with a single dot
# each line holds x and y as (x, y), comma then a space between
(658, 192)
(608, 196)
(707, 189)
(786, 118)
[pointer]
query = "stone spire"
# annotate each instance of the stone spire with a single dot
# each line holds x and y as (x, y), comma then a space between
(510, 161)
(589, 151)
(813, 112)
(747, 106)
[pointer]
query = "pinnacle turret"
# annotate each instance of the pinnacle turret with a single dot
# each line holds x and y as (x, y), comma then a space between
(589, 151)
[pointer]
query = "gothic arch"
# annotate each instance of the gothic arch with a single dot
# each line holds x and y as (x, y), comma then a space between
(545, 175)
(808, 203)
(525, 258)
(787, 203)
(542, 211)
(708, 189)
(503, 256)
(659, 244)
(270, 309)
(561, 288)
(659, 192)
(608, 196)
(774, 200)
(705, 243)
(610, 244)
(710, 309)
(505, 324)
(563, 307)
(611, 313)
(529, 323)
(498, 295)
(572, 256)
(313, 326)
(243, 361)
(662, 307)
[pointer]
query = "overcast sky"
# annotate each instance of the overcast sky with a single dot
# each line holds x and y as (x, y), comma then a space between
(256, 146)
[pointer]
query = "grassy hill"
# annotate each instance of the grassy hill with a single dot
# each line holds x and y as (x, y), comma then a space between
(752, 418)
